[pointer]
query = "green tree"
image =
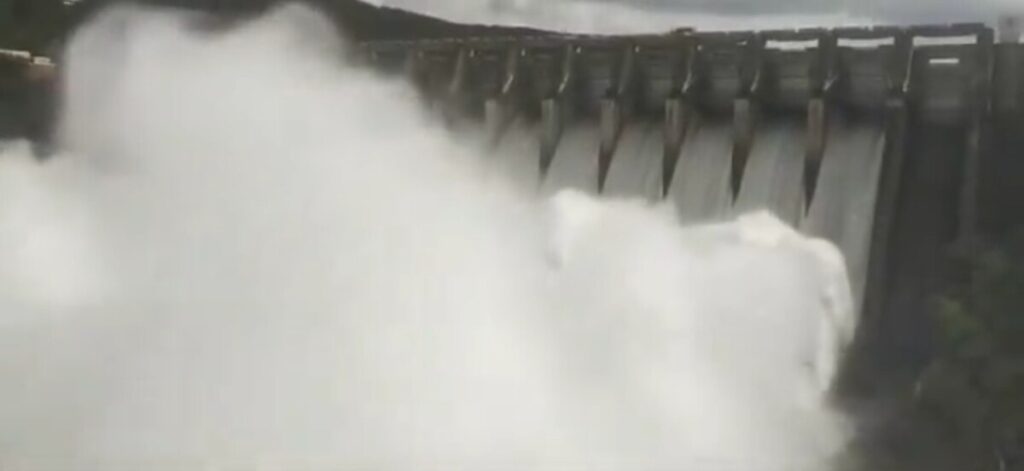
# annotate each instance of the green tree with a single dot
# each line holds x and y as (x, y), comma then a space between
(974, 388)
(31, 24)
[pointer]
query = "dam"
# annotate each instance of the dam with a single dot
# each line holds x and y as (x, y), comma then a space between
(899, 144)
(315, 268)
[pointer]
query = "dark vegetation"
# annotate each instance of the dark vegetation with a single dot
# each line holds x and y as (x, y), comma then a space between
(965, 411)
(973, 391)
(31, 24)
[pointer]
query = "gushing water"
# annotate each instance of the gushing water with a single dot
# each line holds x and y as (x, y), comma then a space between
(701, 186)
(773, 177)
(635, 170)
(253, 256)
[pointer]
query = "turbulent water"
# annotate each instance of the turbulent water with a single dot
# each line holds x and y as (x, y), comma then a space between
(250, 255)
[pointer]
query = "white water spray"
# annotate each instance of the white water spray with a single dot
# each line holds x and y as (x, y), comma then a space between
(253, 256)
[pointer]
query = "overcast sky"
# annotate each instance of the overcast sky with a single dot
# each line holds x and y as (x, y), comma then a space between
(655, 15)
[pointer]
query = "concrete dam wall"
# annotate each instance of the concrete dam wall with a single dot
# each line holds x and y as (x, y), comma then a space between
(900, 145)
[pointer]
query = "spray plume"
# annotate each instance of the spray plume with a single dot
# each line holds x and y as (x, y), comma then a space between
(251, 255)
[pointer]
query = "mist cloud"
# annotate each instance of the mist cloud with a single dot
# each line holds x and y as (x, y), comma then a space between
(250, 255)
